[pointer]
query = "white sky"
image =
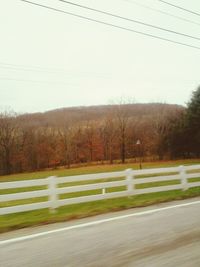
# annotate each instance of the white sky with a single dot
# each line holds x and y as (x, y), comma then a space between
(73, 62)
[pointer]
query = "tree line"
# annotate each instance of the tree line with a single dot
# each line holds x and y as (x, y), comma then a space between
(184, 136)
(102, 134)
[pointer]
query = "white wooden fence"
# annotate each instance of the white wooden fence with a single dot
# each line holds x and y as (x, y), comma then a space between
(127, 180)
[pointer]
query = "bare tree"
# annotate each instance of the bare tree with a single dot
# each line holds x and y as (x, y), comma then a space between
(66, 136)
(161, 127)
(122, 116)
(108, 133)
(8, 131)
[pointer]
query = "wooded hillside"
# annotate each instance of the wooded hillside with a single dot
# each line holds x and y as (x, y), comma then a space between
(85, 134)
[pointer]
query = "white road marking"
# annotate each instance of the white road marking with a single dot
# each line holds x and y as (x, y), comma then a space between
(23, 238)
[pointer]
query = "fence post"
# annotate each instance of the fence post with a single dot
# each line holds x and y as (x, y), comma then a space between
(129, 181)
(183, 177)
(52, 193)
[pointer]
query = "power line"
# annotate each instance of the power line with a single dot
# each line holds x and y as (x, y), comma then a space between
(28, 68)
(15, 67)
(179, 7)
(128, 19)
(34, 81)
(112, 25)
(162, 12)
(64, 72)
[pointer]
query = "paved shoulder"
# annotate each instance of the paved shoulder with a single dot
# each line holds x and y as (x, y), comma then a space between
(162, 235)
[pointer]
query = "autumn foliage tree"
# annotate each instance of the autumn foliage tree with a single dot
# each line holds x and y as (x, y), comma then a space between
(85, 135)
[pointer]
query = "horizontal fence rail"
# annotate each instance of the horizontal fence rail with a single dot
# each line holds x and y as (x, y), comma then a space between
(60, 191)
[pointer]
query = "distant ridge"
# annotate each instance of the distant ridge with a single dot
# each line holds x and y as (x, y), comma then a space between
(82, 113)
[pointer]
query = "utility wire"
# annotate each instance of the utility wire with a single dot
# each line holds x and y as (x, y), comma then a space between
(128, 19)
(162, 12)
(28, 68)
(34, 81)
(15, 67)
(111, 25)
(179, 7)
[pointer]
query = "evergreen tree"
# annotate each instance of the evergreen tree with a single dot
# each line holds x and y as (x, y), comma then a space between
(193, 123)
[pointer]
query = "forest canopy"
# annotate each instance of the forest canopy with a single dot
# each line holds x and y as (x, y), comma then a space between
(102, 134)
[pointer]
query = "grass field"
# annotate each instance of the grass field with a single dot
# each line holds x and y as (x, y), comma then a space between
(25, 219)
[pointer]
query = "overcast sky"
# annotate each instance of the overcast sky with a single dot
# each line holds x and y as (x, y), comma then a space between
(51, 60)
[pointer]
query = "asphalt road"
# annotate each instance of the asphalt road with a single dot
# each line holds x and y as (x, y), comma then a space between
(166, 237)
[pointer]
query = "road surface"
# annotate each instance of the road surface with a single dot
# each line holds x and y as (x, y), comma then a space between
(163, 235)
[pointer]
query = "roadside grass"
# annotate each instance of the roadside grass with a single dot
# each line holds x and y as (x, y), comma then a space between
(39, 217)
(77, 211)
